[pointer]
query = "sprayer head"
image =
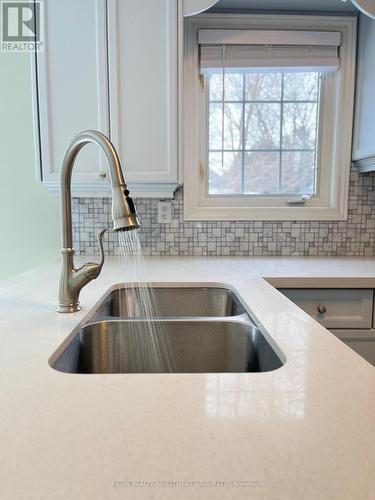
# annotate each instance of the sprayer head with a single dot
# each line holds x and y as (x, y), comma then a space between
(124, 214)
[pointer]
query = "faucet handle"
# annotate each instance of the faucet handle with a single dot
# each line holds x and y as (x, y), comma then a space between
(92, 269)
(100, 242)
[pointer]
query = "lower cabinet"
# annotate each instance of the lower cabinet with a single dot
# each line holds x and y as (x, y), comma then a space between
(361, 341)
(347, 313)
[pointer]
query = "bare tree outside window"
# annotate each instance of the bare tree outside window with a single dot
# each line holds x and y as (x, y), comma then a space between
(262, 133)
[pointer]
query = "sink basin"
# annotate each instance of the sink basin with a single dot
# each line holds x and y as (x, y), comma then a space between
(195, 346)
(173, 302)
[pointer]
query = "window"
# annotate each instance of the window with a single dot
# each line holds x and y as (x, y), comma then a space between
(263, 133)
(272, 100)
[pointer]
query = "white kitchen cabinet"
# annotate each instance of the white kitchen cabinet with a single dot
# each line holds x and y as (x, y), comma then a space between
(335, 308)
(347, 313)
(143, 89)
(364, 126)
(70, 89)
(111, 66)
(361, 341)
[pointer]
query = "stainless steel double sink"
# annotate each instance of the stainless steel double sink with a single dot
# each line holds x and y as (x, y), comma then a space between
(206, 330)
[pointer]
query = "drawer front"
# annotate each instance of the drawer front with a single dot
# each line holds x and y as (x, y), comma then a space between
(335, 308)
(361, 341)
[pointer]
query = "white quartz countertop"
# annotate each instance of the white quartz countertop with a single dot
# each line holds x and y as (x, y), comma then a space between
(304, 431)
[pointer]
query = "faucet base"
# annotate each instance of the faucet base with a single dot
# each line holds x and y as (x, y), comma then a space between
(72, 308)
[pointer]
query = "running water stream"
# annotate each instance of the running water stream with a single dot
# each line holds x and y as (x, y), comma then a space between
(145, 338)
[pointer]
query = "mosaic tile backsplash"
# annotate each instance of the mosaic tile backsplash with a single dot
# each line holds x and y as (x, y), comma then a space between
(353, 237)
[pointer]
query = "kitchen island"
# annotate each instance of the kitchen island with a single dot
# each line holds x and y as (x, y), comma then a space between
(305, 430)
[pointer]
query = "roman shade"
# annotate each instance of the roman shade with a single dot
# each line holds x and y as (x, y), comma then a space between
(252, 50)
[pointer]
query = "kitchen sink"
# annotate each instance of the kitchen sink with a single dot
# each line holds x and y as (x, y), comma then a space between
(193, 346)
(172, 302)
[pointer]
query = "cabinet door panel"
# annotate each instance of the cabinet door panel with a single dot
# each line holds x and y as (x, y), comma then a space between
(72, 86)
(361, 341)
(364, 129)
(143, 87)
(363, 347)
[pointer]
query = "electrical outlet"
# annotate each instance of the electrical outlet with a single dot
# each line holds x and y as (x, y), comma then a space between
(164, 212)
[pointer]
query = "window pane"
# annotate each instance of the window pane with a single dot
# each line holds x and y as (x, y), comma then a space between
(262, 126)
(216, 87)
(233, 126)
(301, 86)
(227, 178)
(261, 175)
(298, 172)
(215, 117)
(263, 87)
(299, 126)
(233, 84)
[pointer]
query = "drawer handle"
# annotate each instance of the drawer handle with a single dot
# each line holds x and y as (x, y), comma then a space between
(322, 309)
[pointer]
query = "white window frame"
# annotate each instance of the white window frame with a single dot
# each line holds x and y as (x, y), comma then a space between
(335, 121)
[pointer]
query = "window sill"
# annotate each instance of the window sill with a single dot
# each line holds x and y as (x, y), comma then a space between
(288, 213)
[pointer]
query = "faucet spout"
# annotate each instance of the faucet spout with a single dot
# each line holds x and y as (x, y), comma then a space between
(123, 214)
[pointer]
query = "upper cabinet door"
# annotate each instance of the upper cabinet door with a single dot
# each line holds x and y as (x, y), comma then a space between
(71, 91)
(143, 90)
(364, 129)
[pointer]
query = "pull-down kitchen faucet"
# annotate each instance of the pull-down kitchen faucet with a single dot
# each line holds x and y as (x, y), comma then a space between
(124, 217)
